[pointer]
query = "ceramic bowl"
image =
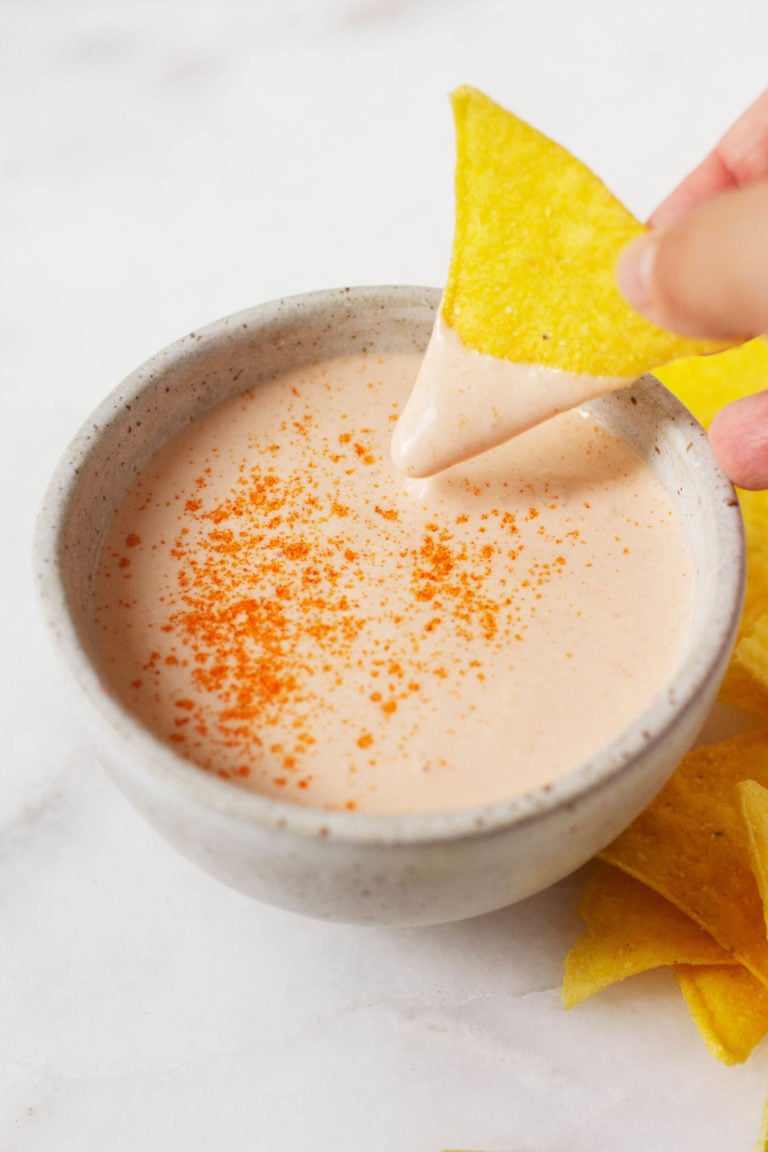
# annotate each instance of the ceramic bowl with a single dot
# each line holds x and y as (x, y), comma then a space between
(353, 866)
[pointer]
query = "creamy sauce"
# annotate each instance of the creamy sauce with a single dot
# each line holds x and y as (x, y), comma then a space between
(464, 403)
(284, 609)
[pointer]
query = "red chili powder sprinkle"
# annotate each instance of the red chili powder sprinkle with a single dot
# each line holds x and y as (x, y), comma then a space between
(387, 513)
(267, 598)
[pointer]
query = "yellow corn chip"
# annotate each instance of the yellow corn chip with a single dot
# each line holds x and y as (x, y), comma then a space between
(754, 506)
(746, 681)
(706, 383)
(753, 803)
(729, 1007)
(532, 274)
(690, 846)
(751, 652)
(630, 929)
(687, 846)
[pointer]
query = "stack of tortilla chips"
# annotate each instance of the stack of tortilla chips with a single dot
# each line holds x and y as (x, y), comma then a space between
(687, 884)
(532, 279)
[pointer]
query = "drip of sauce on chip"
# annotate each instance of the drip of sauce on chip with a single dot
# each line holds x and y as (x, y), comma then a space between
(531, 322)
(465, 402)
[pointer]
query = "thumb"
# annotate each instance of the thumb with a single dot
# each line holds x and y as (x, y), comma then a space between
(706, 273)
(739, 439)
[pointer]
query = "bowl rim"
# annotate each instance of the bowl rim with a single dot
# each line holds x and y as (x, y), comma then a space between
(703, 661)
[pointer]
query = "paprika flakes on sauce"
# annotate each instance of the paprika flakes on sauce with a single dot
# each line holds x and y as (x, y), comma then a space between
(298, 619)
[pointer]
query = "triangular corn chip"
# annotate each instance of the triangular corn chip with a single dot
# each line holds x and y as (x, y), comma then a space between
(746, 681)
(729, 1007)
(686, 845)
(532, 274)
(754, 506)
(630, 929)
(705, 385)
(690, 846)
(753, 804)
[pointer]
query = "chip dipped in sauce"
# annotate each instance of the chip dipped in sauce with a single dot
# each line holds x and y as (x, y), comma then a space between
(531, 322)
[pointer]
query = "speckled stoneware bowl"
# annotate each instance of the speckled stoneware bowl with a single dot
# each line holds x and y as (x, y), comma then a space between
(404, 869)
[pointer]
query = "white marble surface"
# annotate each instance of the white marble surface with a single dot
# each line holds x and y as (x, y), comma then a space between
(163, 164)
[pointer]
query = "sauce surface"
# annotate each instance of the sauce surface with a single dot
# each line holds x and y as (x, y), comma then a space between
(284, 609)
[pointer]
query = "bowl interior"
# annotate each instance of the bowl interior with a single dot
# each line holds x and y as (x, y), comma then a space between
(244, 351)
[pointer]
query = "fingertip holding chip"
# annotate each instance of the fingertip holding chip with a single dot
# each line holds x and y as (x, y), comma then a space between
(532, 277)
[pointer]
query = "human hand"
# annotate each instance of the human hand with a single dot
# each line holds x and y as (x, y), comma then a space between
(703, 271)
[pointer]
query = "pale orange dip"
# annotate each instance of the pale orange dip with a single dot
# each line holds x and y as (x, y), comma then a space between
(277, 603)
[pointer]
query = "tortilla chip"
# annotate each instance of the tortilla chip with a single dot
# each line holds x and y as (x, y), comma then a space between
(532, 274)
(690, 845)
(751, 653)
(746, 680)
(753, 805)
(754, 506)
(729, 1007)
(630, 929)
(706, 384)
(695, 846)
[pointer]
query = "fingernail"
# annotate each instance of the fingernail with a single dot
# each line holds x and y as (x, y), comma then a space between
(634, 270)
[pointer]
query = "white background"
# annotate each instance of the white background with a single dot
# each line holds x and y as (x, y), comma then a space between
(163, 164)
